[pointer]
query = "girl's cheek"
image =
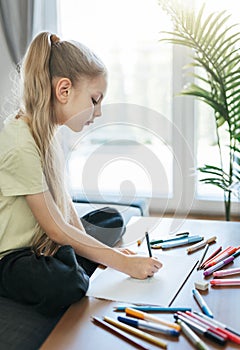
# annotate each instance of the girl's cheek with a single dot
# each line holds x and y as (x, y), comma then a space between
(77, 122)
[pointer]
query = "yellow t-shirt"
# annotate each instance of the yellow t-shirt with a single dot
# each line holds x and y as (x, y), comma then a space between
(20, 174)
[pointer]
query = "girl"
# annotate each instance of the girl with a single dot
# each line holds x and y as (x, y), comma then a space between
(46, 254)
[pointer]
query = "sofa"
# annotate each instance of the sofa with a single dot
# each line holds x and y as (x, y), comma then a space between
(21, 327)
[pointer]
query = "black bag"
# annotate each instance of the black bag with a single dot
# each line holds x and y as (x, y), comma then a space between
(105, 224)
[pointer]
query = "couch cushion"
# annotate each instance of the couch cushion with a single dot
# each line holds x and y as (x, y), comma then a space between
(22, 328)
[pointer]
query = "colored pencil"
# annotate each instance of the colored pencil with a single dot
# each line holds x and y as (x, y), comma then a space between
(183, 283)
(203, 256)
(153, 308)
(121, 333)
(137, 332)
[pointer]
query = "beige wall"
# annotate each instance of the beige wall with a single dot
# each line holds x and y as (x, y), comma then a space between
(6, 67)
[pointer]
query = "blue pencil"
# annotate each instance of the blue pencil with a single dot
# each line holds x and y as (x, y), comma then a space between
(153, 308)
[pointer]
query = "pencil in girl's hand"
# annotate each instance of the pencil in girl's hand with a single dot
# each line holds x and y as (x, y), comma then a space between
(148, 244)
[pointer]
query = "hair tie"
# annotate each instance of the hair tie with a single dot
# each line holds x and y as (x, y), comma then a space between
(54, 39)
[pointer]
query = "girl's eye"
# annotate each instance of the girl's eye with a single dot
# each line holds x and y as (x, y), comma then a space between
(94, 101)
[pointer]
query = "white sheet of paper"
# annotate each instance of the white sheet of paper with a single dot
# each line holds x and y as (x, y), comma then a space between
(158, 290)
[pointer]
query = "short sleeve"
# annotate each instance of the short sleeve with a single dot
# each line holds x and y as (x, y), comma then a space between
(21, 172)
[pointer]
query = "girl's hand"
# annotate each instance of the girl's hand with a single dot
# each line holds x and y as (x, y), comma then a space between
(141, 267)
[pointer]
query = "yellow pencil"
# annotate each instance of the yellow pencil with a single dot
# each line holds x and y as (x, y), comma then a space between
(145, 316)
(137, 332)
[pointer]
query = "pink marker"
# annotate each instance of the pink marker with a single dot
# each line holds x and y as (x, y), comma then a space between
(225, 282)
(227, 272)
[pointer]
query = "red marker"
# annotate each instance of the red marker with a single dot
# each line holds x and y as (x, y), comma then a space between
(224, 255)
(231, 336)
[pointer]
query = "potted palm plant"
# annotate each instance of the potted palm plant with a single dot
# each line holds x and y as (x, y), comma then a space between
(215, 47)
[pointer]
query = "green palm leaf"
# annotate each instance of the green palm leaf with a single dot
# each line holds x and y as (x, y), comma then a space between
(197, 32)
(211, 169)
(213, 31)
(221, 49)
(204, 95)
(204, 28)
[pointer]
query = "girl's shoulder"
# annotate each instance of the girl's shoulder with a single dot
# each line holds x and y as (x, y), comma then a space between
(15, 134)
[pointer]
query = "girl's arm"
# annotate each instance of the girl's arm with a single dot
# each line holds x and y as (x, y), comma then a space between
(51, 220)
(75, 218)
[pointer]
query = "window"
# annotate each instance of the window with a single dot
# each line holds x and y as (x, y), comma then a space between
(146, 142)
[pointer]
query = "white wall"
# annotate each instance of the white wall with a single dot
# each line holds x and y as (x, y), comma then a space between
(6, 67)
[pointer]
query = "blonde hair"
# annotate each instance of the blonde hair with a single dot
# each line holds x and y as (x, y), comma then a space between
(48, 57)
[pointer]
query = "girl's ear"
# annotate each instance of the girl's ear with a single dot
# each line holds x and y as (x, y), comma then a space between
(62, 89)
